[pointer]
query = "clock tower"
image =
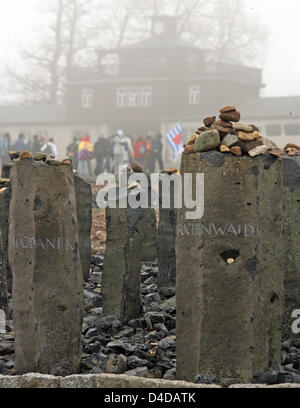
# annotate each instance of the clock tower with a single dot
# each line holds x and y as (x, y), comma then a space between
(164, 26)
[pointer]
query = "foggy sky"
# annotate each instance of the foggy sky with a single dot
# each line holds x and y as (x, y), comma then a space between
(282, 61)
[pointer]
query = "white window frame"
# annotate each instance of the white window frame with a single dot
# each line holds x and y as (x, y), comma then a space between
(87, 98)
(122, 97)
(194, 95)
(134, 97)
(146, 96)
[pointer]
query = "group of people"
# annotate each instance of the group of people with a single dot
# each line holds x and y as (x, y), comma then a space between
(36, 144)
(148, 152)
(81, 151)
(115, 152)
(110, 153)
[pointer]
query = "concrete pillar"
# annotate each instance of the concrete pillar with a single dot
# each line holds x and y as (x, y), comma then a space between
(2, 321)
(291, 228)
(229, 269)
(5, 197)
(121, 277)
(148, 232)
(148, 228)
(4, 306)
(6, 170)
(45, 262)
(84, 204)
(166, 240)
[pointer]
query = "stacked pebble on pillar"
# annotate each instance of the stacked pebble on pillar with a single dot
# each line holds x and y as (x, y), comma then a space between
(229, 134)
(238, 275)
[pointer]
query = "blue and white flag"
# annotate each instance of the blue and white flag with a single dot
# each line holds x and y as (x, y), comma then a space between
(175, 138)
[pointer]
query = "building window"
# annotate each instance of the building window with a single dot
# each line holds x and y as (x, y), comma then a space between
(194, 95)
(122, 96)
(87, 98)
(292, 129)
(273, 129)
(134, 97)
(146, 96)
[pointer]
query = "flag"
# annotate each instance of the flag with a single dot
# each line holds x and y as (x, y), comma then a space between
(175, 138)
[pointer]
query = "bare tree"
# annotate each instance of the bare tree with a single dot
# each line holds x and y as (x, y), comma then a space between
(129, 20)
(39, 77)
(57, 29)
(80, 32)
(235, 34)
(46, 66)
(224, 27)
(78, 27)
(123, 21)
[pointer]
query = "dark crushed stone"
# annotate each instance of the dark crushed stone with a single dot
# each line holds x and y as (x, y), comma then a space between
(147, 345)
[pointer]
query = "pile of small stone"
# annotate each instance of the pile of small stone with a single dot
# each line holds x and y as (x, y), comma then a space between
(46, 158)
(143, 347)
(229, 135)
(7, 351)
(288, 371)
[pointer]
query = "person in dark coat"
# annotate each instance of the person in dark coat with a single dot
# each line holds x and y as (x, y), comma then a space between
(35, 145)
(20, 145)
(157, 152)
(103, 151)
(72, 152)
(5, 148)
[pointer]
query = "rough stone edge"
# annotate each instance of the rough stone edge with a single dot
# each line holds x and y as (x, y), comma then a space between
(253, 386)
(91, 381)
(108, 381)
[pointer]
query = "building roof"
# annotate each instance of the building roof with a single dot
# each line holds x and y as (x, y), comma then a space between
(36, 114)
(160, 42)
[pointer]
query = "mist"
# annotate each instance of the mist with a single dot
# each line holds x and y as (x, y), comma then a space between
(55, 54)
(281, 62)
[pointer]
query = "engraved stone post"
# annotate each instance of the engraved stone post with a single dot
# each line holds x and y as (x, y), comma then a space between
(2, 321)
(121, 277)
(166, 238)
(291, 228)
(45, 262)
(4, 307)
(6, 170)
(148, 232)
(5, 197)
(84, 204)
(148, 227)
(230, 273)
